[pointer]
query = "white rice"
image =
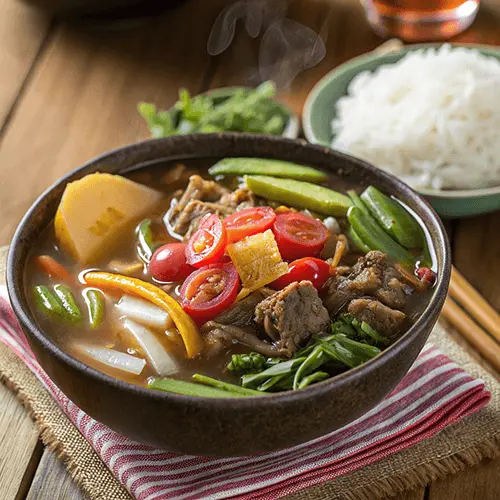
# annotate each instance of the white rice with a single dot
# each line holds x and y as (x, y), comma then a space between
(432, 119)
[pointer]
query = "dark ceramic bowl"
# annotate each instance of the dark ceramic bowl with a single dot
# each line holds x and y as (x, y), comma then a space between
(225, 427)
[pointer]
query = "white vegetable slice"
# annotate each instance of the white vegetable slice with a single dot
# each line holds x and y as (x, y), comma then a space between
(160, 359)
(115, 359)
(144, 312)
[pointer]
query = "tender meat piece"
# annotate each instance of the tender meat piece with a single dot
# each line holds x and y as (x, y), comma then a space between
(238, 200)
(385, 320)
(241, 313)
(219, 337)
(371, 275)
(291, 316)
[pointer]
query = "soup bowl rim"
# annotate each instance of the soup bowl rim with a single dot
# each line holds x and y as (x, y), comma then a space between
(17, 294)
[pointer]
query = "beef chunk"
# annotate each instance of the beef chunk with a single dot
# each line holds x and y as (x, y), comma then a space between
(218, 337)
(371, 275)
(385, 320)
(291, 316)
(241, 313)
(238, 200)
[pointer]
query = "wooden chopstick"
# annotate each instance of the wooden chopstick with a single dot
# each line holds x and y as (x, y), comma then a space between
(471, 300)
(469, 329)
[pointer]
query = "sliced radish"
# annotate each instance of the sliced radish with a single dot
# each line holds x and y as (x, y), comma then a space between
(115, 359)
(144, 312)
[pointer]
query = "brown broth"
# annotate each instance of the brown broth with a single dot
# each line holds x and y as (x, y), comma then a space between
(111, 333)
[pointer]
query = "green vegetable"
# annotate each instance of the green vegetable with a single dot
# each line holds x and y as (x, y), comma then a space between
(358, 330)
(145, 240)
(313, 378)
(356, 240)
(47, 303)
(246, 363)
(160, 124)
(261, 166)
(356, 200)
(72, 312)
(349, 352)
(283, 368)
(316, 358)
(396, 221)
(299, 194)
(189, 389)
(219, 384)
(96, 306)
(376, 238)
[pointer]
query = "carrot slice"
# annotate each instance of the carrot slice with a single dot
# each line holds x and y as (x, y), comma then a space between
(51, 267)
(187, 329)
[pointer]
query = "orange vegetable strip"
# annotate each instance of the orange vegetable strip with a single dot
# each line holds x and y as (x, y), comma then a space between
(51, 267)
(187, 329)
(339, 252)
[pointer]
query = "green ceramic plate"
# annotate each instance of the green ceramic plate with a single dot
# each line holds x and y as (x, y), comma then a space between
(319, 111)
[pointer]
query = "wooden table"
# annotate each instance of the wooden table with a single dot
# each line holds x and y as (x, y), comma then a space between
(68, 93)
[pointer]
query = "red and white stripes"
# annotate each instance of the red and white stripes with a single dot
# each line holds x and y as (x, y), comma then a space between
(434, 393)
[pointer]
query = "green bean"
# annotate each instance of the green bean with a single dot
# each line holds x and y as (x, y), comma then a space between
(313, 378)
(224, 386)
(376, 238)
(189, 389)
(145, 240)
(396, 221)
(96, 306)
(47, 303)
(72, 311)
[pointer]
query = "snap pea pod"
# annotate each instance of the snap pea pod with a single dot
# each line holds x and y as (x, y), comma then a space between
(376, 238)
(145, 240)
(96, 306)
(396, 221)
(224, 386)
(189, 389)
(262, 166)
(356, 200)
(71, 309)
(299, 194)
(47, 303)
(356, 240)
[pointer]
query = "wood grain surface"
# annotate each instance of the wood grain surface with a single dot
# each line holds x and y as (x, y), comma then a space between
(68, 93)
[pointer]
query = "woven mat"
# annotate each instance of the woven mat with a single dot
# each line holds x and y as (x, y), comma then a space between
(458, 446)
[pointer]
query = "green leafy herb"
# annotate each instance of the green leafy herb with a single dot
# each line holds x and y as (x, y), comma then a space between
(246, 363)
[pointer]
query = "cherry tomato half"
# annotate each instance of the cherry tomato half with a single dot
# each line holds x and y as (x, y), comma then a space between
(208, 243)
(169, 263)
(316, 271)
(209, 291)
(299, 235)
(248, 222)
(428, 276)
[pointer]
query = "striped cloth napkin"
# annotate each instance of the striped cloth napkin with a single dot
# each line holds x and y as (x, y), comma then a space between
(435, 393)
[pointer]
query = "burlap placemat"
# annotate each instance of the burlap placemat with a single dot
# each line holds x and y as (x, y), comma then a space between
(458, 446)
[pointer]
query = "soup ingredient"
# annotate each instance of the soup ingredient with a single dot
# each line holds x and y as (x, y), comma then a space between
(48, 303)
(208, 243)
(356, 201)
(185, 325)
(265, 166)
(299, 235)
(190, 389)
(360, 330)
(341, 248)
(291, 316)
(426, 275)
(299, 194)
(241, 312)
(161, 361)
(248, 222)
(430, 120)
(393, 218)
(115, 359)
(71, 309)
(246, 110)
(95, 209)
(316, 271)
(384, 319)
(144, 312)
(169, 263)
(257, 260)
(52, 268)
(376, 238)
(356, 240)
(246, 363)
(209, 291)
(96, 306)
(219, 384)
(145, 240)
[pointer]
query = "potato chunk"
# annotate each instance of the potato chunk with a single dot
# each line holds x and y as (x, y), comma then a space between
(257, 260)
(94, 210)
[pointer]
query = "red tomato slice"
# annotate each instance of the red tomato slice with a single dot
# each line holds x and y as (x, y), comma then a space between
(208, 243)
(299, 235)
(209, 291)
(248, 222)
(169, 264)
(316, 271)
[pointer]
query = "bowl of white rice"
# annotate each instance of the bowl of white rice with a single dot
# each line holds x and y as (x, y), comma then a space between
(428, 114)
